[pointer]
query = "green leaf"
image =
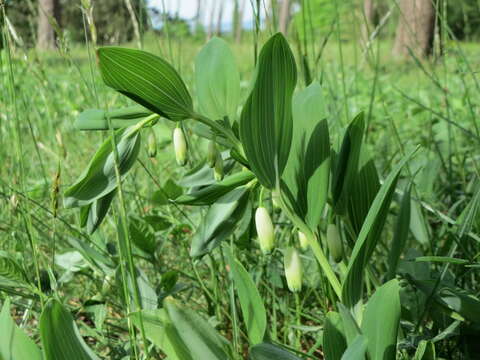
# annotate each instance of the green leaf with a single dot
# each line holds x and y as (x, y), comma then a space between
(362, 191)
(199, 337)
(384, 305)
(357, 350)
(346, 163)
(369, 235)
(350, 326)
(60, 336)
(95, 119)
(11, 273)
(220, 221)
(425, 351)
(92, 215)
(217, 80)
(146, 79)
(269, 351)
(308, 168)
(334, 341)
(211, 193)
(400, 234)
(161, 332)
(142, 234)
(253, 309)
(418, 225)
(442, 259)
(99, 179)
(266, 120)
(14, 343)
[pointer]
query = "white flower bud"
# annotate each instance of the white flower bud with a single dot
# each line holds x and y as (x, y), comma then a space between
(180, 146)
(293, 269)
(218, 169)
(265, 230)
(212, 153)
(302, 238)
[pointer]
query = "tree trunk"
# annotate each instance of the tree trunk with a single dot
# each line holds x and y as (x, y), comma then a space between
(238, 23)
(48, 10)
(198, 15)
(415, 29)
(284, 16)
(219, 19)
(368, 19)
(212, 17)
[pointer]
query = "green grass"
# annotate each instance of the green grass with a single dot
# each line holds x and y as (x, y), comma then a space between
(405, 105)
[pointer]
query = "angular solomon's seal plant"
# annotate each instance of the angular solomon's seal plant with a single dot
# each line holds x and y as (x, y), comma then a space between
(279, 143)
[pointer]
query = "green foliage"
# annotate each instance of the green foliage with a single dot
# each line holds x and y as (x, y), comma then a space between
(267, 113)
(60, 336)
(14, 343)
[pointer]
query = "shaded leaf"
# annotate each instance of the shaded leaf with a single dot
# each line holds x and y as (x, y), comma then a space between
(369, 235)
(266, 120)
(211, 193)
(253, 309)
(99, 178)
(60, 336)
(400, 234)
(92, 215)
(219, 221)
(308, 168)
(269, 351)
(334, 342)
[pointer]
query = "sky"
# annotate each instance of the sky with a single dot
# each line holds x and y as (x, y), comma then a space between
(188, 8)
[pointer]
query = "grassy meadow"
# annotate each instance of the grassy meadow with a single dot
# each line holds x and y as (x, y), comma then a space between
(426, 250)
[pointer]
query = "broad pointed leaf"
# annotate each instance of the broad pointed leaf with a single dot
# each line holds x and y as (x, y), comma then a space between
(334, 341)
(199, 337)
(146, 79)
(217, 80)
(211, 193)
(369, 235)
(14, 343)
(99, 179)
(219, 221)
(268, 351)
(381, 320)
(308, 167)
(253, 309)
(266, 120)
(95, 119)
(60, 336)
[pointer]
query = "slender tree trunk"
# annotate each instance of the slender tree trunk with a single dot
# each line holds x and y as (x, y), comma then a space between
(368, 19)
(416, 28)
(284, 16)
(238, 27)
(48, 10)
(219, 19)
(198, 15)
(212, 17)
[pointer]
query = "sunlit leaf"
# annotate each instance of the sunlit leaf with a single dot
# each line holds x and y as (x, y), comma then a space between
(146, 79)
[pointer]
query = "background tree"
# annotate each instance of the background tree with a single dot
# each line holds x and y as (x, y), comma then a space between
(369, 18)
(416, 28)
(284, 17)
(48, 11)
